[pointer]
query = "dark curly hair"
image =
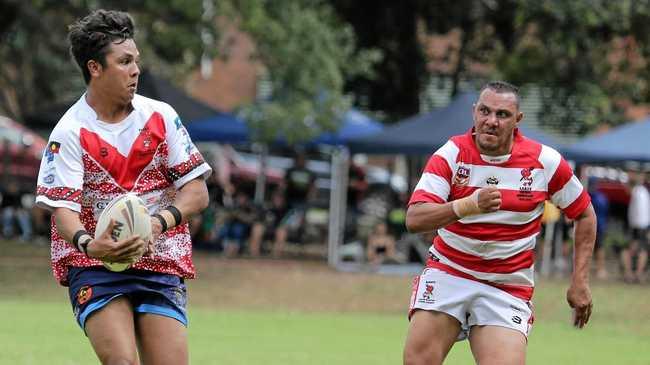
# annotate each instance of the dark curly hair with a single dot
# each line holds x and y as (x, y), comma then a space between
(91, 36)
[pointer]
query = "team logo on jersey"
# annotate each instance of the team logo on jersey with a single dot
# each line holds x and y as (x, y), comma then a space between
(527, 176)
(84, 294)
(492, 180)
(49, 179)
(52, 149)
(462, 175)
(526, 188)
(427, 294)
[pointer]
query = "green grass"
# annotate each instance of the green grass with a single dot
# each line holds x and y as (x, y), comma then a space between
(45, 333)
(288, 312)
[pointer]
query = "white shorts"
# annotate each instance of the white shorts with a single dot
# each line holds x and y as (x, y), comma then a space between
(472, 303)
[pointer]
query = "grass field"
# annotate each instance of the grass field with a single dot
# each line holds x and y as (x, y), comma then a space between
(285, 312)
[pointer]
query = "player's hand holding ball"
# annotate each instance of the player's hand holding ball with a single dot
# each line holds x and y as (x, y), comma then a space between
(122, 234)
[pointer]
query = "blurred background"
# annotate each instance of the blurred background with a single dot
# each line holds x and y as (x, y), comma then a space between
(318, 116)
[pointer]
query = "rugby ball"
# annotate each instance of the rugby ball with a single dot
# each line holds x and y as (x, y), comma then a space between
(131, 217)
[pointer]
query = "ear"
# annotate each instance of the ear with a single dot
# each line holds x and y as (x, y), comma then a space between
(520, 116)
(94, 68)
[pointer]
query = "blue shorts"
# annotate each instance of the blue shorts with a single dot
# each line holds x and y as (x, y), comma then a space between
(91, 288)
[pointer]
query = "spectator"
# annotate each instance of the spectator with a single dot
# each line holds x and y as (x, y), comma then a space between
(381, 245)
(357, 186)
(638, 215)
(268, 223)
(300, 191)
(601, 207)
(13, 212)
(238, 224)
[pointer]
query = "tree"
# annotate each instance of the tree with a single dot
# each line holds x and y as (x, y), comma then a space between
(37, 69)
(307, 54)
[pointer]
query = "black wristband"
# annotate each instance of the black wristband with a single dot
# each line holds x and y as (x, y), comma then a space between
(178, 217)
(76, 237)
(162, 220)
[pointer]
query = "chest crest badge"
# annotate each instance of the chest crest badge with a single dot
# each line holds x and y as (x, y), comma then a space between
(462, 175)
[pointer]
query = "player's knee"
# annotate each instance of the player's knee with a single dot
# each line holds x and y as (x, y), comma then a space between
(414, 356)
(119, 360)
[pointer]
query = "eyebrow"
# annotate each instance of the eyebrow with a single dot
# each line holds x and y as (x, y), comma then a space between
(481, 105)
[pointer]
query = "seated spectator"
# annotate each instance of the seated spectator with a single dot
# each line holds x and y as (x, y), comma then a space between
(238, 223)
(381, 245)
(14, 213)
(268, 223)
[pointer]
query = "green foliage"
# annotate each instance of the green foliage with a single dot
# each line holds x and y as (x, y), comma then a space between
(589, 57)
(307, 54)
(37, 69)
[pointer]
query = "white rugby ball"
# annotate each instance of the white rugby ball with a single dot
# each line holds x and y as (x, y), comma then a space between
(131, 217)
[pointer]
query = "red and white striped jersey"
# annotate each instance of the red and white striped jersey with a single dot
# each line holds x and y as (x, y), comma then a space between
(88, 162)
(497, 248)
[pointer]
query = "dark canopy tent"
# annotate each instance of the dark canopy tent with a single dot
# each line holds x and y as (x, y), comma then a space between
(151, 86)
(423, 134)
(628, 142)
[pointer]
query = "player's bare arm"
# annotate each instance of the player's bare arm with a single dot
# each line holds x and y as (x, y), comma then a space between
(102, 247)
(579, 294)
(427, 217)
(191, 199)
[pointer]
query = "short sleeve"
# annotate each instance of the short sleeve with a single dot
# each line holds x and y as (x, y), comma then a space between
(185, 162)
(60, 177)
(567, 192)
(435, 183)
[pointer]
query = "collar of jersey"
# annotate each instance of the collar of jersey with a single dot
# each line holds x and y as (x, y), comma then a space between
(89, 114)
(496, 160)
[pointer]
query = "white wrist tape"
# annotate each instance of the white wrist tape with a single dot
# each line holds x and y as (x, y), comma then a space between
(467, 206)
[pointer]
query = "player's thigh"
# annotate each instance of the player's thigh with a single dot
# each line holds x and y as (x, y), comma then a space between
(496, 345)
(112, 334)
(162, 340)
(431, 335)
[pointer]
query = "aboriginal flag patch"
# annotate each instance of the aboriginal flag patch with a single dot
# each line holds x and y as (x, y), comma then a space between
(54, 147)
(84, 294)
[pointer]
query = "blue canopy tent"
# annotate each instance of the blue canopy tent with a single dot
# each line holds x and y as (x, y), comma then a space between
(224, 127)
(220, 127)
(628, 142)
(423, 134)
(354, 125)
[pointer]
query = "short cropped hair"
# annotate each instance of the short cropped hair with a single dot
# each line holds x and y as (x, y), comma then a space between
(91, 36)
(502, 87)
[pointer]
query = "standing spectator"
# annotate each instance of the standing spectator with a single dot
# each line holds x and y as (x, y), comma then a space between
(14, 213)
(638, 217)
(601, 208)
(357, 186)
(300, 191)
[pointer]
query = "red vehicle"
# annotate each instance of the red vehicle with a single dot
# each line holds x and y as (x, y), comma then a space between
(20, 151)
